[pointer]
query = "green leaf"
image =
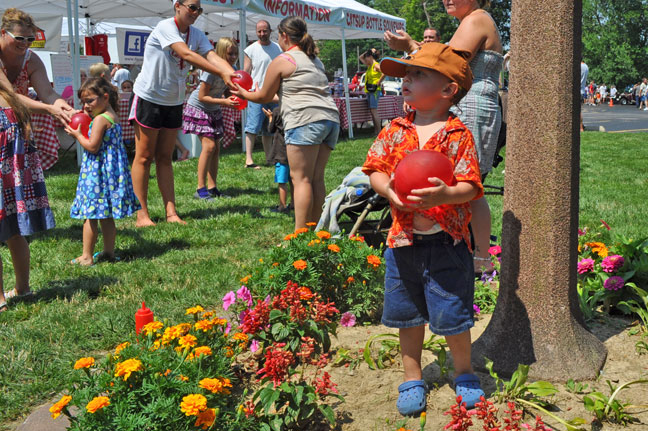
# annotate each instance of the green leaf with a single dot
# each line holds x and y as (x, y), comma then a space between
(328, 413)
(542, 388)
(276, 330)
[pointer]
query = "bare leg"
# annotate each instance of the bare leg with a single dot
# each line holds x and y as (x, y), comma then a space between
(267, 146)
(19, 249)
(460, 349)
(301, 159)
(249, 147)
(283, 195)
(184, 152)
(90, 235)
(411, 341)
(109, 232)
(212, 174)
(481, 226)
(376, 121)
(319, 187)
(164, 171)
(205, 160)
(145, 144)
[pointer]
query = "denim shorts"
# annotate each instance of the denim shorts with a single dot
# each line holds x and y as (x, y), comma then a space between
(372, 99)
(429, 282)
(256, 121)
(282, 173)
(319, 132)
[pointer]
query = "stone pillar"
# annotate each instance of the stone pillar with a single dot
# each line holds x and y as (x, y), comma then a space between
(537, 320)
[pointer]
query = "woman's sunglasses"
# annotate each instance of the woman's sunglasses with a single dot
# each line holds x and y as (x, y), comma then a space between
(193, 8)
(28, 39)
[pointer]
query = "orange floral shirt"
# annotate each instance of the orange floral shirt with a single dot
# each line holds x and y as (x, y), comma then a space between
(456, 142)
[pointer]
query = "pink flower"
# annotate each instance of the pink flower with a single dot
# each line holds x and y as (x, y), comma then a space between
(254, 346)
(582, 232)
(607, 226)
(614, 283)
(228, 300)
(244, 294)
(585, 265)
(476, 308)
(495, 250)
(348, 320)
(612, 263)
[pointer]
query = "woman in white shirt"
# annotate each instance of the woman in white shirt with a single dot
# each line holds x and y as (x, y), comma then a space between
(171, 48)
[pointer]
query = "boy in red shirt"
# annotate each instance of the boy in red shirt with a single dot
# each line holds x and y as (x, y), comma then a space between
(429, 272)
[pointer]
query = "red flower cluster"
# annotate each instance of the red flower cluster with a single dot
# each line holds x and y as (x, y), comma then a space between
(512, 422)
(291, 297)
(460, 417)
(324, 311)
(277, 362)
(307, 349)
(487, 412)
(324, 385)
(256, 319)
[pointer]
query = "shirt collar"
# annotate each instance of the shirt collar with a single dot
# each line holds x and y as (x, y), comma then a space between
(453, 124)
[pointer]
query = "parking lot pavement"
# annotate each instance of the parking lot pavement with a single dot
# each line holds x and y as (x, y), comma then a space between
(616, 119)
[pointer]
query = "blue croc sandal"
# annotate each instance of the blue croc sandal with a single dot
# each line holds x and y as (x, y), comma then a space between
(411, 397)
(468, 387)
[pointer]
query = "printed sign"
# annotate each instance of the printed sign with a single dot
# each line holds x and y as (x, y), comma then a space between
(131, 44)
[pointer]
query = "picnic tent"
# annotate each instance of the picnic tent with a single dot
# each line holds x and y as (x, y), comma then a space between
(327, 19)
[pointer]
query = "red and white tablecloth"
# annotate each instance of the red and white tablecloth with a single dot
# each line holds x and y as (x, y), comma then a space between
(45, 138)
(230, 116)
(389, 107)
(128, 132)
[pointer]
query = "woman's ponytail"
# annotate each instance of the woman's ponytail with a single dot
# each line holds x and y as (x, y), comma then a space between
(297, 31)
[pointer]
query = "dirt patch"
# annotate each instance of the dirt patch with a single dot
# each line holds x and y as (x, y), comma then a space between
(371, 394)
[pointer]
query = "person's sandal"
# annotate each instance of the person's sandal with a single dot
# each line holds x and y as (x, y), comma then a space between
(3, 306)
(13, 293)
(411, 397)
(488, 268)
(101, 256)
(468, 387)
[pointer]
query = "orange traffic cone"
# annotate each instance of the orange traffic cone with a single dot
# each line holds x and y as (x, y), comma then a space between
(611, 102)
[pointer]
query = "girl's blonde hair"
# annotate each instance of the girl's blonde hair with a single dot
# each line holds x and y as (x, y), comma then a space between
(100, 86)
(223, 45)
(97, 69)
(21, 112)
(13, 17)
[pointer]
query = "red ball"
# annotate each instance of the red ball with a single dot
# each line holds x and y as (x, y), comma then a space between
(243, 79)
(414, 170)
(81, 119)
(242, 103)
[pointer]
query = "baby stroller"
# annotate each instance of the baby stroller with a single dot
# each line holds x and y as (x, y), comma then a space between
(353, 208)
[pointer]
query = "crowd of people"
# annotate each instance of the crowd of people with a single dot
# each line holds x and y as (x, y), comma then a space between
(451, 90)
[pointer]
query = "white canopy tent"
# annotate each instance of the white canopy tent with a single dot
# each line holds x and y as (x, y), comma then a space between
(327, 19)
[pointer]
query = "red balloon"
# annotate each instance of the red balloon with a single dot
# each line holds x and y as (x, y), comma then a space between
(414, 170)
(83, 120)
(242, 103)
(243, 79)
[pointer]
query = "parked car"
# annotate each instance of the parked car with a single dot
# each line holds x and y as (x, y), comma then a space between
(626, 97)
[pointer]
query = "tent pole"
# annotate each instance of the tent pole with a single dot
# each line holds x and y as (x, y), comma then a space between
(346, 85)
(242, 46)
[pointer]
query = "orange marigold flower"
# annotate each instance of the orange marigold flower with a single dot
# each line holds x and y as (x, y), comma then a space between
(58, 407)
(207, 314)
(239, 336)
(97, 403)
(245, 279)
(374, 260)
(84, 363)
(216, 386)
(311, 243)
(228, 351)
(598, 248)
(301, 230)
(311, 224)
(121, 347)
(167, 372)
(275, 264)
(219, 321)
(152, 327)
(126, 368)
(206, 418)
(195, 310)
(204, 325)
(192, 404)
(334, 248)
(202, 350)
(350, 280)
(322, 234)
(187, 341)
(305, 293)
(290, 236)
(183, 378)
(300, 265)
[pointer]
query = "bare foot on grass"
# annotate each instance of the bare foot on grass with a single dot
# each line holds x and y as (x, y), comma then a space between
(82, 261)
(174, 218)
(144, 221)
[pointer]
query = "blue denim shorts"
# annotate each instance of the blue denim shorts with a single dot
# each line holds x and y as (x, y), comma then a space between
(319, 132)
(431, 282)
(282, 173)
(372, 99)
(256, 121)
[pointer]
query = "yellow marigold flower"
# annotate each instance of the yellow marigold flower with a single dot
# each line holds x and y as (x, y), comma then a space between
(374, 260)
(219, 321)
(228, 351)
(311, 224)
(598, 248)
(183, 378)
(311, 243)
(192, 404)
(121, 347)
(322, 234)
(334, 248)
(126, 368)
(195, 310)
(275, 264)
(301, 230)
(239, 336)
(187, 341)
(245, 279)
(156, 345)
(97, 403)
(300, 264)
(152, 327)
(216, 386)
(202, 350)
(206, 418)
(204, 325)
(350, 280)
(207, 314)
(84, 363)
(290, 236)
(58, 407)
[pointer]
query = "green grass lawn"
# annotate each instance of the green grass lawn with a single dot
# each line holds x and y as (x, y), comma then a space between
(85, 311)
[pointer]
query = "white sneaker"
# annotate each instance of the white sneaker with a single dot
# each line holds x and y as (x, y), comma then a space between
(645, 109)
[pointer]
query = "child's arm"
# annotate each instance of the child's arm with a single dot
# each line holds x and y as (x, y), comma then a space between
(440, 193)
(99, 127)
(204, 97)
(383, 185)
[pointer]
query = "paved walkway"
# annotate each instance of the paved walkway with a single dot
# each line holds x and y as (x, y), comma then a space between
(41, 420)
(616, 119)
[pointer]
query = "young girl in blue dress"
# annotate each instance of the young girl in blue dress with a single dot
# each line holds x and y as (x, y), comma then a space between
(105, 189)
